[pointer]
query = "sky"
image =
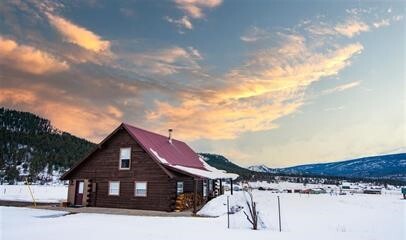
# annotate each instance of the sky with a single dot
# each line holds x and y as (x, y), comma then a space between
(279, 83)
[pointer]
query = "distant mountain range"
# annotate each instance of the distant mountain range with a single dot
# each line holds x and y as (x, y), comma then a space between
(262, 168)
(391, 166)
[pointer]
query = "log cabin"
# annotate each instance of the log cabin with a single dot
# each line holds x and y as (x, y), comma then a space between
(138, 169)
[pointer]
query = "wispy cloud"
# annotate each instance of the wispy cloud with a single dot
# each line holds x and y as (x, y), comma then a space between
(167, 61)
(269, 86)
(342, 87)
(358, 21)
(183, 22)
(254, 34)
(194, 8)
(29, 59)
(351, 28)
(78, 35)
(382, 23)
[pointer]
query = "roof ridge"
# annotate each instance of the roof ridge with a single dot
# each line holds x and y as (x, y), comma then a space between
(150, 132)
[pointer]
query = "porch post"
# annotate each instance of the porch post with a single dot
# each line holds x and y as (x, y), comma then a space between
(231, 186)
(221, 187)
(195, 196)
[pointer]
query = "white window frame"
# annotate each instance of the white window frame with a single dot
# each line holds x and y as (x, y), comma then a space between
(118, 190)
(121, 159)
(177, 187)
(135, 188)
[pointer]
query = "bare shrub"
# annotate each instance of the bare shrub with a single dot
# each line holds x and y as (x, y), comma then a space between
(252, 216)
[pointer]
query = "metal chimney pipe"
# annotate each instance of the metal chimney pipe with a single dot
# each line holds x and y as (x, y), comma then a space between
(170, 135)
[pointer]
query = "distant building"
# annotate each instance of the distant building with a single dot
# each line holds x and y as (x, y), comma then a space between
(373, 191)
(138, 169)
(317, 191)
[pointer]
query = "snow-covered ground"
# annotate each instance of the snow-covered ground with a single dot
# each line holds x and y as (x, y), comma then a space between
(41, 193)
(281, 186)
(362, 215)
(316, 217)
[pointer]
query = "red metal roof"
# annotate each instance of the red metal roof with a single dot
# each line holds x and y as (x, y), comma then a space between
(175, 153)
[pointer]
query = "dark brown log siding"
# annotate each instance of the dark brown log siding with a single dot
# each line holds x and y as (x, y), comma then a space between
(103, 166)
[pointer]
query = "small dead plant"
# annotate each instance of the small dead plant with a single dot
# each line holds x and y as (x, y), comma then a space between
(252, 215)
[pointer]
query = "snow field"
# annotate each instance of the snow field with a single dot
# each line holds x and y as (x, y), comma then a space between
(377, 216)
(42, 193)
(316, 217)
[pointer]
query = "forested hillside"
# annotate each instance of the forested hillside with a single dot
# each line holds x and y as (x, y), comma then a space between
(31, 147)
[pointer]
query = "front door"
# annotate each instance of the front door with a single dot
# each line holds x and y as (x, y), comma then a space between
(79, 192)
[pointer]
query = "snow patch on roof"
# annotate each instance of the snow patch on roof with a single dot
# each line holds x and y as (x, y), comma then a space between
(161, 159)
(214, 173)
(209, 171)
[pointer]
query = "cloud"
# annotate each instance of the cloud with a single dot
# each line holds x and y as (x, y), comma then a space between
(269, 86)
(342, 87)
(351, 28)
(29, 59)
(73, 117)
(87, 101)
(79, 35)
(255, 34)
(359, 11)
(195, 53)
(167, 61)
(321, 28)
(331, 109)
(358, 20)
(194, 8)
(382, 23)
(183, 22)
(397, 18)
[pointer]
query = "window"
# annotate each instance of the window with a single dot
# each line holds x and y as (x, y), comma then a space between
(140, 189)
(94, 187)
(114, 188)
(204, 188)
(125, 158)
(179, 188)
(81, 186)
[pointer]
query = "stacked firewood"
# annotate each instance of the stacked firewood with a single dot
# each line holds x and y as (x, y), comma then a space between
(186, 200)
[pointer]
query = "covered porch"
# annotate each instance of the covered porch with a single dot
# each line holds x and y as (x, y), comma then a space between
(200, 186)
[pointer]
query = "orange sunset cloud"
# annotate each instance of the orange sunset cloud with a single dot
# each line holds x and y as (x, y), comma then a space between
(78, 35)
(73, 117)
(28, 59)
(271, 85)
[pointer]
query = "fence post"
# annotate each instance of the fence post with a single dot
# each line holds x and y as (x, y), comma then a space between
(228, 211)
(279, 212)
(32, 195)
